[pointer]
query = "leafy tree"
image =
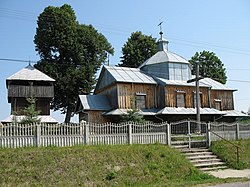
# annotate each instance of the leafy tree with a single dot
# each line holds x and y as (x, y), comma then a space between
(31, 114)
(137, 49)
(71, 53)
(210, 66)
(133, 115)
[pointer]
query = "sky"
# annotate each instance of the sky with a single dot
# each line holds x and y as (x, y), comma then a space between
(222, 27)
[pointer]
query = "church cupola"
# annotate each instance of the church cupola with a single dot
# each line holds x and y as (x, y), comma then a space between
(162, 44)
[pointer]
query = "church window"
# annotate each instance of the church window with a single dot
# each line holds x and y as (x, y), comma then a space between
(140, 100)
(180, 99)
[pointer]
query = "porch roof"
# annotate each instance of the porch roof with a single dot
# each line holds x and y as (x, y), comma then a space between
(43, 118)
(185, 111)
(235, 113)
(94, 102)
(144, 112)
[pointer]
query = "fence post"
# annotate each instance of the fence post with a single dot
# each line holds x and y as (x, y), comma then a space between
(189, 135)
(129, 133)
(38, 134)
(168, 134)
(86, 133)
(208, 134)
(237, 131)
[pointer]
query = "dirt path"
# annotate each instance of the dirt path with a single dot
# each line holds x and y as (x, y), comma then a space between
(238, 184)
(231, 173)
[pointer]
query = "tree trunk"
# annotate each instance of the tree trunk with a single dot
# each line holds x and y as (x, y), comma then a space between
(68, 114)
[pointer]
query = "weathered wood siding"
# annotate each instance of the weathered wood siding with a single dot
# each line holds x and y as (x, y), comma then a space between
(111, 93)
(121, 95)
(127, 92)
(171, 91)
(226, 98)
(19, 104)
(28, 91)
(93, 117)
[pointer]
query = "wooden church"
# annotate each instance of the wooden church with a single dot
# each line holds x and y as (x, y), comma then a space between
(26, 83)
(159, 89)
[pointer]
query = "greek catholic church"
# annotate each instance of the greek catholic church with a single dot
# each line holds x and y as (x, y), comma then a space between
(159, 89)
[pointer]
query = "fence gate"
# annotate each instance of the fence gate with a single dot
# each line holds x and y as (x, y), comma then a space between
(184, 134)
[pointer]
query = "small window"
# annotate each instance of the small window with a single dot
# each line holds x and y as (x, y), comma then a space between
(180, 99)
(217, 104)
(140, 100)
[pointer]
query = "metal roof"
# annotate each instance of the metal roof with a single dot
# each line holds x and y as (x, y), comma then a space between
(144, 112)
(178, 83)
(43, 118)
(235, 113)
(182, 110)
(164, 56)
(95, 102)
(215, 85)
(125, 74)
(169, 111)
(206, 82)
(30, 73)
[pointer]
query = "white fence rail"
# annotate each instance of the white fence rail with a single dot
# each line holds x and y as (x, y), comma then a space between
(233, 131)
(22, 135)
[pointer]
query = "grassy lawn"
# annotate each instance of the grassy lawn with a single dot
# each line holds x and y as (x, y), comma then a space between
(227, 152)
(120, 165)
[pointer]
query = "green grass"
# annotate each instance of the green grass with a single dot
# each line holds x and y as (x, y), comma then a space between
(227, 153)
(136, 165)
(120, 165)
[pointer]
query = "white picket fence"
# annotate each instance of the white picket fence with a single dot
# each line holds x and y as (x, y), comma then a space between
(22, 135)
(233, 131)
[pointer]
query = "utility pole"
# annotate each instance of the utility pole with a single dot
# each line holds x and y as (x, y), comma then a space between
(197, 96)
(198, 116)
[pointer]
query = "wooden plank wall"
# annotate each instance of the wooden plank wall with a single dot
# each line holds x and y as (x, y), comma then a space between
(93, 117)
(226, 97)
(111, 93)
(121, 95)
(170, 95)
(28, 91)
(19, 104)
(127, 91)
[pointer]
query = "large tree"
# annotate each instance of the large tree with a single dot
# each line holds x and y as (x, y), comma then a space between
(137, 49)
(71, 53)
(210, 66)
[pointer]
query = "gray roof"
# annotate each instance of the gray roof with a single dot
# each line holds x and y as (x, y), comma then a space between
(235, 113)
(206, 82)
(144, 112)
(125, 74)
(169, 111)
(94, 102)
(43, 118)
(30, 73)
(215, 85)
(182, 110)
(177, 82)
(164, 56)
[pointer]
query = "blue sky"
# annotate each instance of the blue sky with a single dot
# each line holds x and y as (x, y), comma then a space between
(222, 27)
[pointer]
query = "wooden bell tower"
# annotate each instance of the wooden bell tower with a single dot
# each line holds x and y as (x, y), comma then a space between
(26, 83)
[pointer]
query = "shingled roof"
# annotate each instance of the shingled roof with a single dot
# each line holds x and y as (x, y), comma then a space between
(30, 73)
